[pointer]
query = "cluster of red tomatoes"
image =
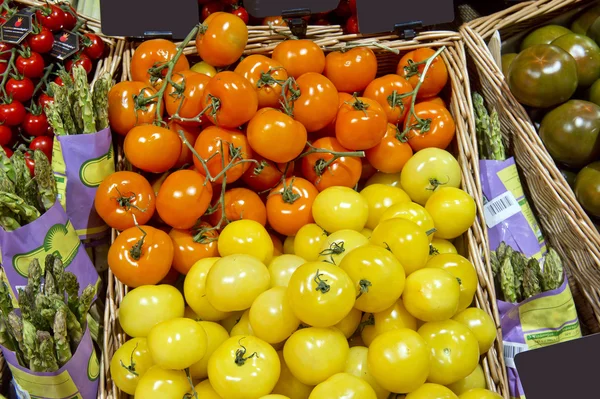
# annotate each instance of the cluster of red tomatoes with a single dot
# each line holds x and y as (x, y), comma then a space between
(25, 71)
(344, 15)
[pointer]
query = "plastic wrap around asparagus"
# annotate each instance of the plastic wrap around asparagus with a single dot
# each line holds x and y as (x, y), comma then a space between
(53, 316)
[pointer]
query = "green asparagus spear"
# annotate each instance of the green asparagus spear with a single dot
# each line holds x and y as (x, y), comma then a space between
(46, 353)
(61, 98)
(58, 270)
(100, 100)
(495, 263)
(34, 276)
(72, 289)
(85, 302)
(45, 306)
(552, 276)
(518, 261)
(16, 204)
(501, 251)
(61, 339)
(6, 184)
(6, 304)
(54, 119)
(9, 222)
(507, 281)
(15, 325)
(49, 283)
(6, 339)
(6, 165)
(482, 126)
(531, 282)
(25, 185)
(498, 152)
(30, 342)
(84, 97)
(45, 179)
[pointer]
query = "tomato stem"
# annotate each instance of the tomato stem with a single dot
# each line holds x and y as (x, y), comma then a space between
(322, 285)
(11, 65)
(288, 195)
(192, 394)
(240, 360)
(136, 250)
(395, 100)
(131, 367)
(370, 321)
(435, 183)
(431, 231)
(43, 81)
(127, 201)
(267, 79)
(363, 287)
(433, 250)
(289, 85)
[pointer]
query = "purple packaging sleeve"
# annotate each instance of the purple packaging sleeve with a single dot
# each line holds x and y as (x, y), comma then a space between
(80, 162)
(77, 379)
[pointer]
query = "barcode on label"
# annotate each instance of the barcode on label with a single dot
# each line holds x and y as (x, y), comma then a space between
(512, 349)
(500, 208)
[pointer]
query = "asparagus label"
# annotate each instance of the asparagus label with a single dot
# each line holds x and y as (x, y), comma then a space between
(94, 171)
(500, 208)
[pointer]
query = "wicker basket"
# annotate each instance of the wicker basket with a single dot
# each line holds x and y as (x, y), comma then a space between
(262, 41)
(565, 223)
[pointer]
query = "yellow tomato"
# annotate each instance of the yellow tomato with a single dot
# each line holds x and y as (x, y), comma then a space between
(289, 385)
(230, 321)
(389, 179)
(378, 276)
(206, 391)
(162, 383)
(204, 68)
(242, 327)
(479, 394)
(315, 354)
(350, 323)
(453, 212)
(271, 316)
(394, 318)
(366, 232)
(321, 294)
(234, 282)
(177, 343)
(481, 324)
(190, 314)
(194, 289)
(308, 241)
(431, 294)
(129, 363)
(381, 197)
(473, 381)
(340, 208)
(244, 367)
(357, 365)
(343, 385)
(247, 237)
(399, 360)
(454, 351)
(367, 328)
(431, 391)
(215, 336)
(282, 267)
(464, 271)
(407, 241)
(413, 212)
(440, 246)
(337, 245)
(288, 245)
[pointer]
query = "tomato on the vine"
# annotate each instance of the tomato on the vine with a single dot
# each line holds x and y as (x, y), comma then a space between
(299, 57)
(269, 126)
(411, 67)
(266, 174)
(187, 102)
(222, 39)
(19, 88)
(192, 245)
(70, 17)
(289, 205)
(152, 148)
(317, 104)
(240, 203)
(42, 41)
(44, 99)
(35, 124)
(390, 92)
(329, 130)
(153, 54)
(94, 46)
(8, 151)
(30, 162)
(241, 13)
(30, 65)
(52, 17)
(230, 98)
(79, 60)
(339, 244)
(351, 71)
(266, 75)
(186, 157)
(391, 153)
(5, 50)
(125, 198)
(124, 108)
(321, 169)
(438, 128)
(12, 113)
(141, 255)
(5, 135)
(360, 124)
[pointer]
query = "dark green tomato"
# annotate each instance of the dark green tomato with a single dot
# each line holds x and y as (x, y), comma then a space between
(583, 22)
(587, 188)
(507, 59)
(594, 92)
(569, 177)
(543, 76)
(544, 35)
(570, 133)
(594, 31)
(586, 53)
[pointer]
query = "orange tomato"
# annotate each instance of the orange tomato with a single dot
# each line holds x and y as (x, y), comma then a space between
(276, 20)
(344, 171)
(276, 136)
(391, 154)
(387, 91)
(266, 174)
(191, 134)
(351, 71)
(189, 246)
(183, 198)
(411, 66)
(123, 114)
(438, 131)
(232, 98)
(187, 102)
(317, 104)
(141, 256)
(152, 148)
(299, 57)
(240, 203)
(221, 39)
(329, 130)
(265, 75)
(155, 53)
(289, 205)
(360, 124)
(215, 143)
(435, 100)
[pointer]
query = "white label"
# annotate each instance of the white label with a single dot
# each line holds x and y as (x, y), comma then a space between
(20, 392)
(500, 208)
(512, 349)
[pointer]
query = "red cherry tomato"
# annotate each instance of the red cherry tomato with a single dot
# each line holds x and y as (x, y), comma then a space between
(94, 46)
(5, 135)
(8, 151)
(52, 17)
(5, 50)
(211, 8)
(3, 67)
(352, 5)
(41, 42)
(242, 13)
(44, 99)
(20, 89)
(12, 114)
(44, 144)
(352, 25)
(30, 163)
(59, 81)
(70, 16)
(35, 125)
(79, 59)
(32, 66)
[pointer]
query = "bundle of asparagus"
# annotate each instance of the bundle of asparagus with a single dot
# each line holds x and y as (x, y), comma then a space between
(76, 108)
(489, 134)
(23, 198)
(52, 316)
(518, 278)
